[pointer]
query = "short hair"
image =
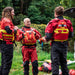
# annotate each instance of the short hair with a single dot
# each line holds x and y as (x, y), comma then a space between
(6, 11)
(26, 19)
(59, 10)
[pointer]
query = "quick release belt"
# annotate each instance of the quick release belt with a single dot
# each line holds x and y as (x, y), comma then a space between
(60, 42)
(29, 45)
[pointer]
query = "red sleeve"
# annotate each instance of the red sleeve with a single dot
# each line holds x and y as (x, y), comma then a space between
(6, 22)
(38, 35)
(19, 35)
(49, 28)
(70, 26)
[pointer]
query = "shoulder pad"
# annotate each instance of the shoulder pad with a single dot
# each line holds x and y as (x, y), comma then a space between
(67, 20)
(33, 28)
(6, 20)
(54, 20)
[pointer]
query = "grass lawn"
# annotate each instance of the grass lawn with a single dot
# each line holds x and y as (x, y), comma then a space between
(17, 67)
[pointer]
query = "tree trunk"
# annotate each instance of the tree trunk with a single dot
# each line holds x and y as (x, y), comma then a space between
(22, 2)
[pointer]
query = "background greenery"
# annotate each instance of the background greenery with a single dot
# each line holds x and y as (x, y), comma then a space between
(39, 11)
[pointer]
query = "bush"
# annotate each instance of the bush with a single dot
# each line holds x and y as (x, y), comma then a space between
(34, 14)
(17, 19)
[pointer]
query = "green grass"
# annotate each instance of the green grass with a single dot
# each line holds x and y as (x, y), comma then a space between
(17, 67)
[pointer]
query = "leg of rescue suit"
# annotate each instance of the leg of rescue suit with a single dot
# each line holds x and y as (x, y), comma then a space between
(26, 68)
(55, 60)
(63, 62)
(1, 66)
(58, 55)
(25, 53)
(0, 71)
(7, 55)
(0, 61)
(34, 61)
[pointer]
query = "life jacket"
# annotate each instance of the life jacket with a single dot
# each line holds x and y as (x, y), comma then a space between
(4, 36)
(61, 32)
(29, 37)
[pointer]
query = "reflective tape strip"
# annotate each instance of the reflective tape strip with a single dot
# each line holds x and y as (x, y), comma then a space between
(62, 31)
(7, 35)
(13, 37)
(60, 40)
(4, 31)
(29, 43)
(7, 38)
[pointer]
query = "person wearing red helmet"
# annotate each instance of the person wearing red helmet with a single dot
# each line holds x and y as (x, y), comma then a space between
(58, 30)
(28, 36)
(7, 36)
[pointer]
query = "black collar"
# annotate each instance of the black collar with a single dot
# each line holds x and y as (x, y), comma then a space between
(26, 27)
(60, 17)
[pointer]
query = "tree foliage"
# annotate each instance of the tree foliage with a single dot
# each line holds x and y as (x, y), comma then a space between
(39, 11)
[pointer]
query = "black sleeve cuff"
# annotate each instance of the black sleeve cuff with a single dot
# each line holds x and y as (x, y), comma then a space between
(48, 36)
(8, 30)
(70, 34)
(22, 35)
(15, 31)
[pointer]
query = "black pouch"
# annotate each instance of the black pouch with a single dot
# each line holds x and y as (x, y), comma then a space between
(0, 41)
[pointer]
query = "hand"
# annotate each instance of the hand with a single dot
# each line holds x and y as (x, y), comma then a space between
(15, 27)
(42, 40)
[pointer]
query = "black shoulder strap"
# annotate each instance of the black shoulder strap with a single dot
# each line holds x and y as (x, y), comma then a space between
(23, 29)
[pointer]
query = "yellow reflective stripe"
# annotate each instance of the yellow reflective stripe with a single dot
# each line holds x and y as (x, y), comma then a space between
(1, 39)
(13, 37)
(56, 31)
(61, 32)
(7, 35)
(64, 32)
(60, 40)
(29, 43)
(62, 29)
(8, 38)
(4, 31)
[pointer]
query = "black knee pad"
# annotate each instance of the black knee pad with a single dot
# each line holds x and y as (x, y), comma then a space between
(35, 67)
(26, 63)
(0, 71)
(26, 68)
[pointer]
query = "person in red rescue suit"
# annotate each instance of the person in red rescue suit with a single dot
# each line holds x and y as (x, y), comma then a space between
(7, 35)
(58, 30)
(28, 36)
